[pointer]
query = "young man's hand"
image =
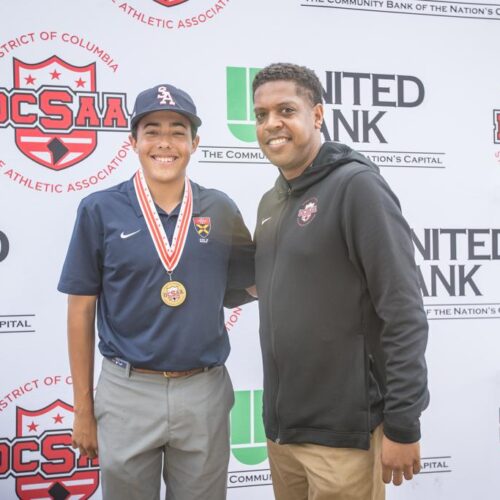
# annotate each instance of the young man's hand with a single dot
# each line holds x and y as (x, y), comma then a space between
(399, 460)
(85, 435)
(81, 339)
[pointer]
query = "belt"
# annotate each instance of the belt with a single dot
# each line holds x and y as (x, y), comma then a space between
(167, 374)
(185, 373)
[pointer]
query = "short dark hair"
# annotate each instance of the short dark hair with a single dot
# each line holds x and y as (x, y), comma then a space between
(304, 78)
(194, 130)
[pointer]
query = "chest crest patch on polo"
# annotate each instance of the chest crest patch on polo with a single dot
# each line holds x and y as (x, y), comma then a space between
(202, 226)
(307, 211)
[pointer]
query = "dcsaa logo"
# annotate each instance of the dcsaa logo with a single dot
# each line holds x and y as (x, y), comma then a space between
(56, 111)
(41, 459)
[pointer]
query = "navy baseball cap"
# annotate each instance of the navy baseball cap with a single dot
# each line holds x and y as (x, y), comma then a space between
(164, 97)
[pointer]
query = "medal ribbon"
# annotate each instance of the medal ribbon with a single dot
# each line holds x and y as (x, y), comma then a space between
(170, 255)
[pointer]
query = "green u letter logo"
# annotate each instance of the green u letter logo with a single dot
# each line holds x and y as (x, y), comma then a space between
(248, 439)
(240, 117)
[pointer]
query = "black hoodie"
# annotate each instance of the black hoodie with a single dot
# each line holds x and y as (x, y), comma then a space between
(343, 330)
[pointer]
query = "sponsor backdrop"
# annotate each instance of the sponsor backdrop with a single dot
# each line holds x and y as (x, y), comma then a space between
(414, 85)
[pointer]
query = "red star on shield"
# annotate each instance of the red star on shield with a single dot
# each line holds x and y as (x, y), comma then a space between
(32, 427)
(30, 80)
(58, 419)
(55, 75)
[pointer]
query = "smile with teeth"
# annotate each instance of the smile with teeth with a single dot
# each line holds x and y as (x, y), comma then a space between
(277, 140)
(164, 159)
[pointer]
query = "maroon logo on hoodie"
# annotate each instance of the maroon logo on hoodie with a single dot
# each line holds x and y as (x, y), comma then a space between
(496, 122)
(307, 211)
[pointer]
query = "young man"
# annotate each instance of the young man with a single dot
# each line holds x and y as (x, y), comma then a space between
(158, 255)
(343, 330)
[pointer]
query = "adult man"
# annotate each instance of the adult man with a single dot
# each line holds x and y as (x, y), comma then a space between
(343, 330)
(158, 254)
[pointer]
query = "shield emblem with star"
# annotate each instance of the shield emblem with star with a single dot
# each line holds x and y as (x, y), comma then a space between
(58, 150)
(55, 419)
(170, 3)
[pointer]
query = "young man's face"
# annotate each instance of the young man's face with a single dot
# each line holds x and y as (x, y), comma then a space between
(164, 145)
(288, 126)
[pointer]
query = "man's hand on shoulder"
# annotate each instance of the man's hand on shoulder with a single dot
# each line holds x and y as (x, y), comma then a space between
(85, 434)
(399, 460)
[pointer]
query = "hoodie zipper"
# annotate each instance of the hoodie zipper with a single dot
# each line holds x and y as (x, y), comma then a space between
(271, 287)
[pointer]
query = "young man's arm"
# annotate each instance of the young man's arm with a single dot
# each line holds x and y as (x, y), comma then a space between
(81, 339)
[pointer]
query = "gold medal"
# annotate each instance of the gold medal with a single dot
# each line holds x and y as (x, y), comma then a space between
(173, 293)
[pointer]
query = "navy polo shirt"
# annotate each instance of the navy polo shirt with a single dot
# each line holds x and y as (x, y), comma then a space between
(111, 254)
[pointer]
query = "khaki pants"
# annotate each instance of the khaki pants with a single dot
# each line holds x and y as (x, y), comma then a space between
(314, 472)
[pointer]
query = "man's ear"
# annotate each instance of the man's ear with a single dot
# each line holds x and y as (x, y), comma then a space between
(195, 143)
(133, 142)
(319, 113)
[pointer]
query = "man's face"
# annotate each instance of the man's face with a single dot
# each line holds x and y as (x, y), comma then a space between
(288, 126)
(164, 145)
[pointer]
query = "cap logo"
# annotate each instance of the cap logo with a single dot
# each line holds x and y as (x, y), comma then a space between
(164, 96)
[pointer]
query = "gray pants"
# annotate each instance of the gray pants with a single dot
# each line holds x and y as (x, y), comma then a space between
(147, 423)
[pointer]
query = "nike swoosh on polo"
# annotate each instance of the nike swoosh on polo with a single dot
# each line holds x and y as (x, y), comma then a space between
(263, 221)
(124, 236)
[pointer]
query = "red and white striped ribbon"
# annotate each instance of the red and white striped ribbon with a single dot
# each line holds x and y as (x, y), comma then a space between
(170, 254)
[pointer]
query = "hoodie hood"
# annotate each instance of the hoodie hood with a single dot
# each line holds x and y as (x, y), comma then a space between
(331, 156)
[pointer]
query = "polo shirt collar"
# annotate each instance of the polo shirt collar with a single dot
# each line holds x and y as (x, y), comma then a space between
(135, 203)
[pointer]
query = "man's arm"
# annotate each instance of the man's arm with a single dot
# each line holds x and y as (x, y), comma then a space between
(379, 244)
(81, 339)
(398, 460)
(241, 274)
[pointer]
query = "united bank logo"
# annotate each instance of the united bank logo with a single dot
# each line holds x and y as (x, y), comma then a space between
(248, 442)
(361, 108)
(240, 120)
(56, 111)
(363, 94)
(248, 438)
(41, 459)
(240, 114)
(455, 270)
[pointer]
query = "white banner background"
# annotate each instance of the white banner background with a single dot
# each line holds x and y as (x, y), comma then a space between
(450, 47)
